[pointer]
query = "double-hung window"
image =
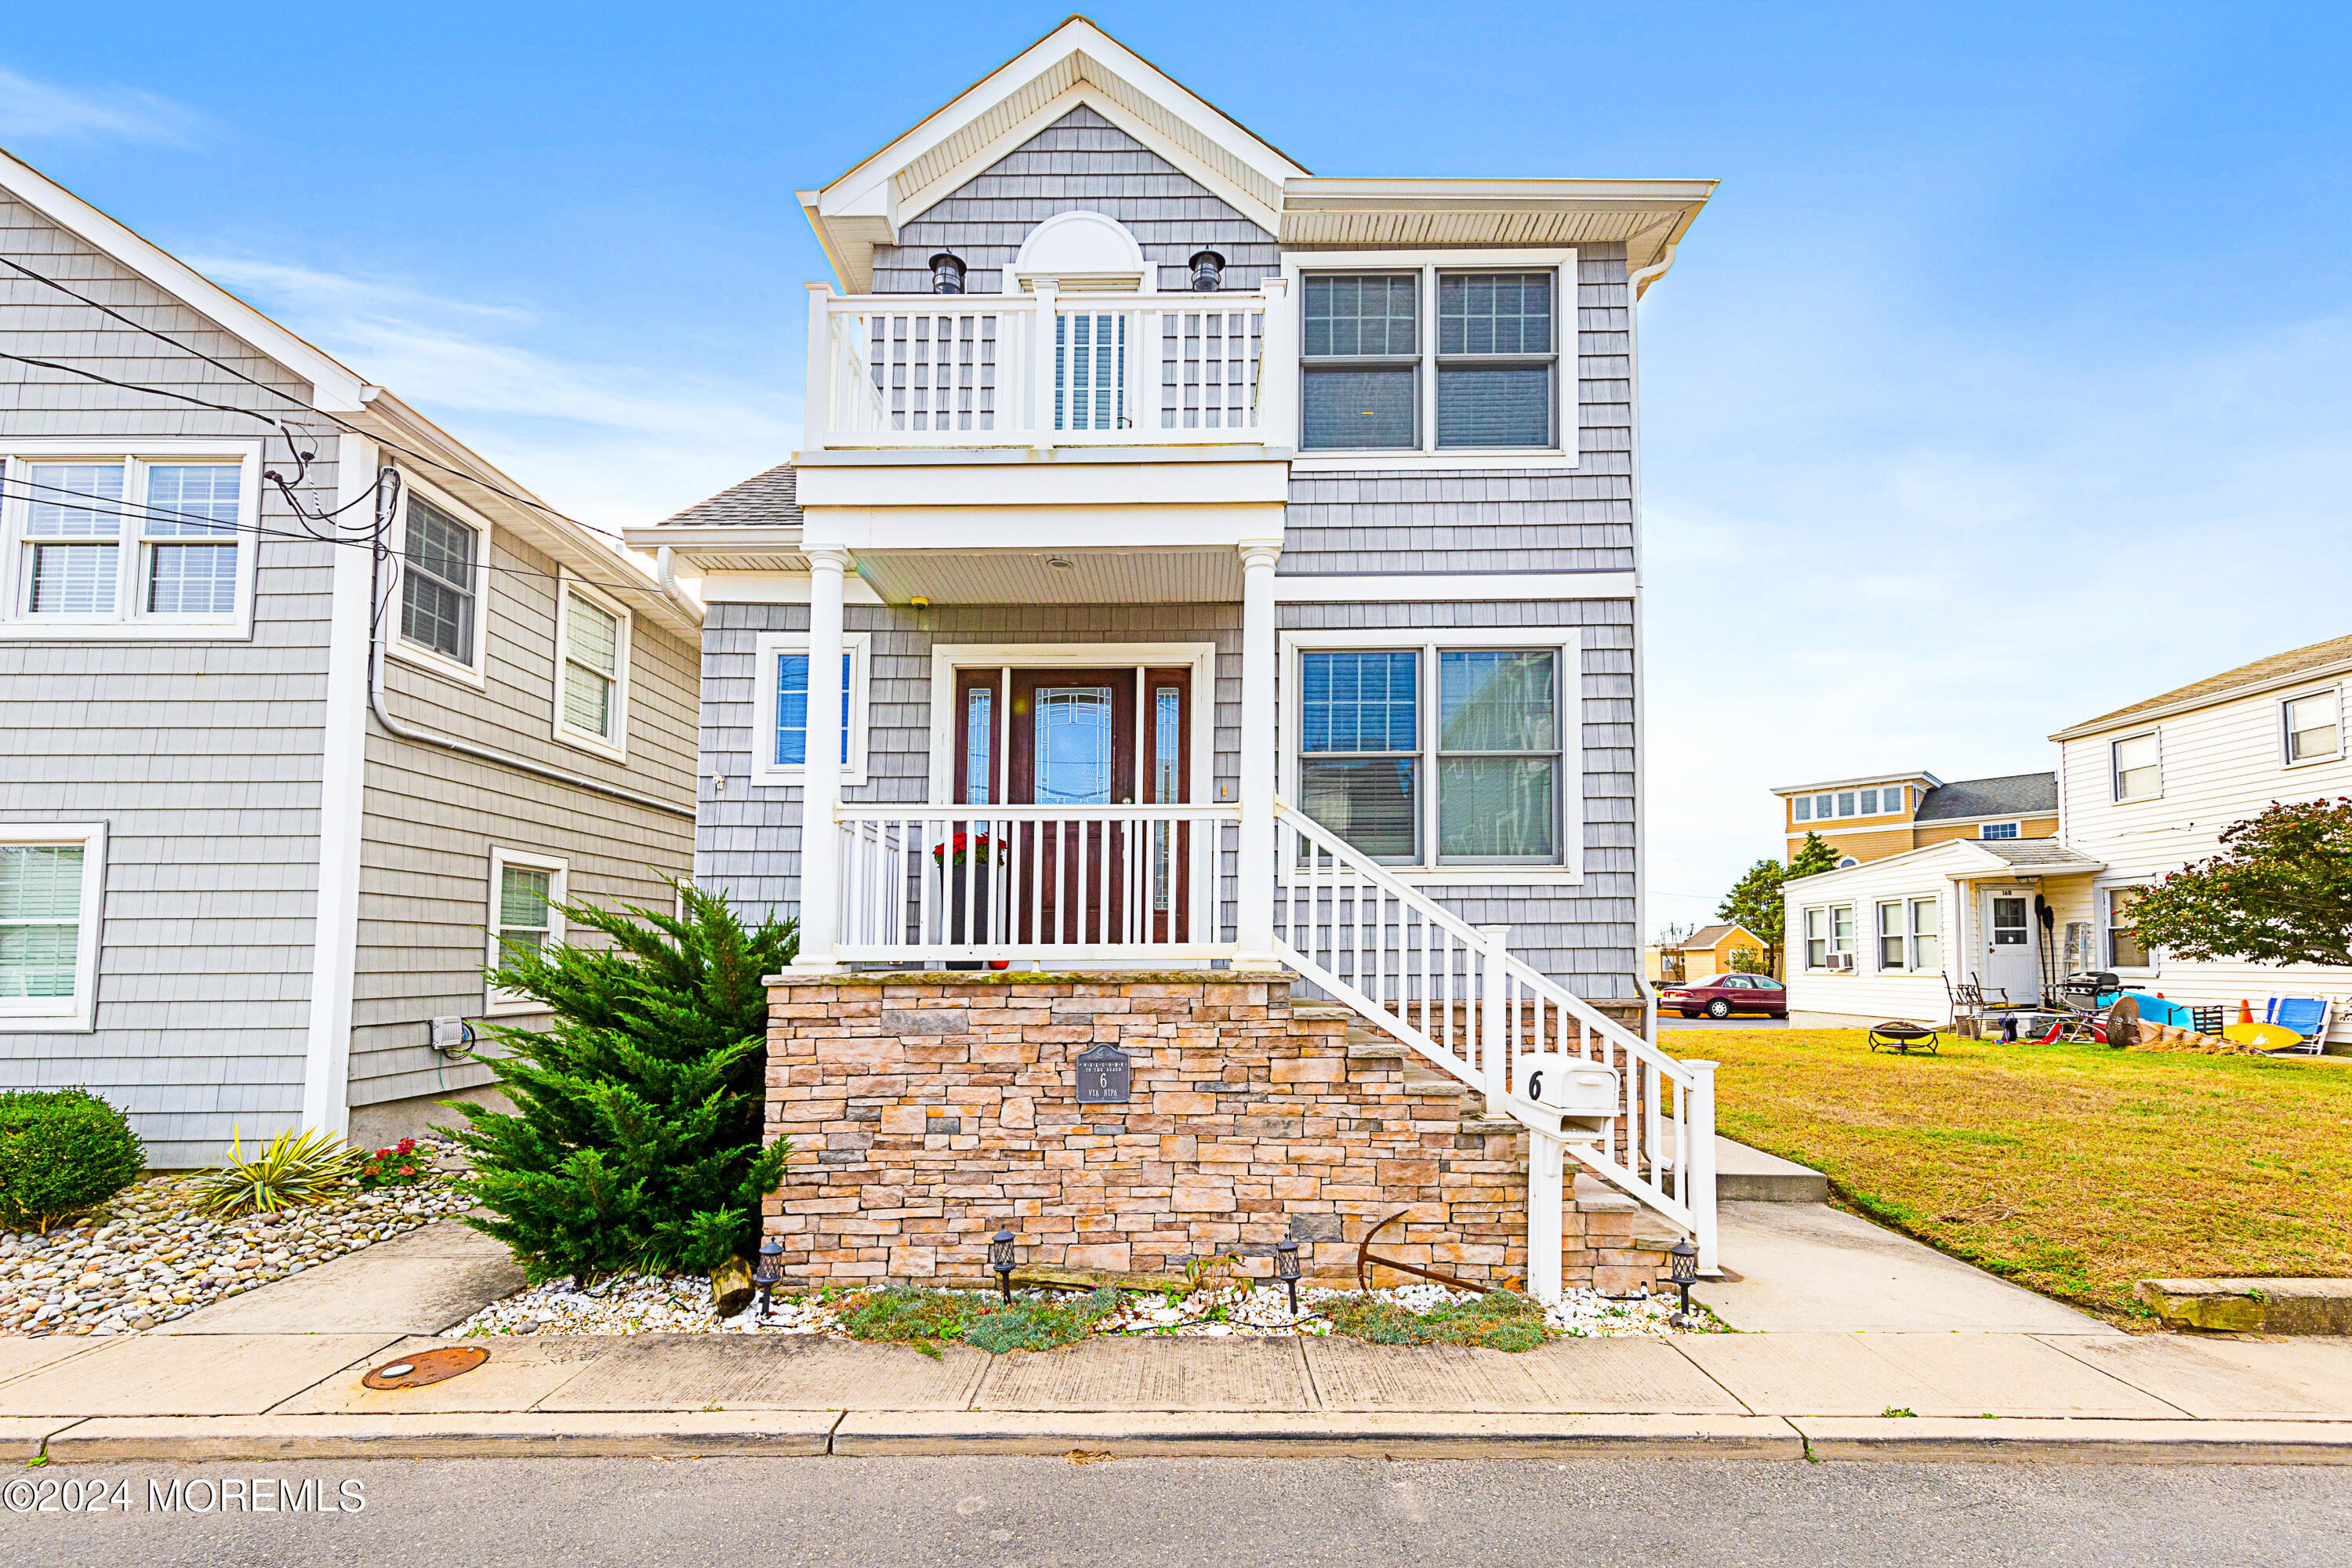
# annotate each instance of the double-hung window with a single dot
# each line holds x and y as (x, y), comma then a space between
(2124, 949)
(1495, 359)
(1436, 756)
(1927, 940)
(2138, 767)
(2311, 726)
(440, 583)
(780, 752)
(1359, 362)
(1484, 374)
(136, 546)
(592, 686)
(526, 895)
(51, 874)
(1891, 934)
(1817, 939)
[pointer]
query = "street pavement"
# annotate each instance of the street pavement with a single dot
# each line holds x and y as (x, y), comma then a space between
(1047, 1512)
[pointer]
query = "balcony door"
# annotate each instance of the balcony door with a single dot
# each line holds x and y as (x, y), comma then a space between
(1084, 738)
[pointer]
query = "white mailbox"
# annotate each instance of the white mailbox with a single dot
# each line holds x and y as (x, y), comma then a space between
(1584, 1093)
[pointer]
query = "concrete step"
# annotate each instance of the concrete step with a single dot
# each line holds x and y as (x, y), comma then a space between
(1750, 1175)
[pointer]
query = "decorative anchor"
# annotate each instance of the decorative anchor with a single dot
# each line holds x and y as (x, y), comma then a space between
(1364, 1257)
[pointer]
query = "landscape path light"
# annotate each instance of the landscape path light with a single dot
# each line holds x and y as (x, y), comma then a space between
(769, 1271)
(1685, 1273)
(1000, 1257)
(1285, 1269)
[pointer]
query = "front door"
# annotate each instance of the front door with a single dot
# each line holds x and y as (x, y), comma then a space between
(2011, 963)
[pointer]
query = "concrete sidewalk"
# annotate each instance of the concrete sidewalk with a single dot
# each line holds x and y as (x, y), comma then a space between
(2117, 1397)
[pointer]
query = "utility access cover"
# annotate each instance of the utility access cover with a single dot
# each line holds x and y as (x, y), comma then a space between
(426, 1367)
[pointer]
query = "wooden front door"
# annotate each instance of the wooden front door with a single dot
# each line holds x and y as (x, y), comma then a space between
(1072, 743)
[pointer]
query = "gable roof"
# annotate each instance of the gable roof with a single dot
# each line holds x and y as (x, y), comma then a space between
(763, 501)
(2038, 854)
(1971, 858)
(2280, 669)
(1711, 936)
(1079, 63)
(2009, 795)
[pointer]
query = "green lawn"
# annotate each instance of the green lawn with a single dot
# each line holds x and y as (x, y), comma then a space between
(2075, 1169)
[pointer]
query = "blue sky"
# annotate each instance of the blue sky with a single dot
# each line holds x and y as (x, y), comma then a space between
(2004, 382)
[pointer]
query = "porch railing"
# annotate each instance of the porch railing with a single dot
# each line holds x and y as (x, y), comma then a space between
(1054, 884)
(1036, 370)
(1452, 993)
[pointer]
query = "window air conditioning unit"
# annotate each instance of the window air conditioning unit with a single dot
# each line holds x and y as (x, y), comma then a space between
(1841, 960)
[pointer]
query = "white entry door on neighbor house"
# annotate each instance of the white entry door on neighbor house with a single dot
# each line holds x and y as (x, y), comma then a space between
(2007, 960)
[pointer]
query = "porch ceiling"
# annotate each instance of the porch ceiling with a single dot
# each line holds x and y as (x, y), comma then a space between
(1101, 576)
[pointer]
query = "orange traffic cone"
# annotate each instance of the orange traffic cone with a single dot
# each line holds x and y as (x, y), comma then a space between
(2245, 1011)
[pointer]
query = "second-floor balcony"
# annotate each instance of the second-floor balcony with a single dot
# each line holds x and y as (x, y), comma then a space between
(1045, 369)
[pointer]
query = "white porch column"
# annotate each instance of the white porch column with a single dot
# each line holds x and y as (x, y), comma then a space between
(821, 776)
(1254, 920)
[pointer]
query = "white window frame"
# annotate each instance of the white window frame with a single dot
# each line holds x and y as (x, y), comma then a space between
(2016, 830)
(2103, 896)
(1829, 938)
(1567, 641)
(396, 643)
(616, 746)
(1900, 936)
(2287, 758)
(126, 622)
(1809, 936)
(1427, 264)
(502, 1004)
(78, 1013)
(1914, 934)
(1801, 808)
(765, 770)
(2115, 770)
(946, 659)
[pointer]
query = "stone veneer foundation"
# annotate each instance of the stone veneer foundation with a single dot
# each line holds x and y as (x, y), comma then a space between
(928, 1110)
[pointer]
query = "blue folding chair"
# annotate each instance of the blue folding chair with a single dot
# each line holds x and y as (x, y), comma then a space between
(2306, 1015)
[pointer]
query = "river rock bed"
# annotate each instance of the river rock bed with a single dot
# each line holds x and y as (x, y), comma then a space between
(149, 1255)
(649, 1304)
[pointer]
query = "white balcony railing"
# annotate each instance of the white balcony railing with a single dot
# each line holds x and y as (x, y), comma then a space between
(1038, 370)
(1056, 884)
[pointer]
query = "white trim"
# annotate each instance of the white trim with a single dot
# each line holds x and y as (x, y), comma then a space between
(1901, 905)
(334, 937)
(75, 1014)
(2001, 837)
(1567, 640)
(765, 648)
(1427, 263)
(1200, 657)
(395, 642)
(1451, 588)
(775, 588)
(2144, 717)
(2286, 760)
(617, 746)
(495, 1003)
(127, 622)
(2103, 894)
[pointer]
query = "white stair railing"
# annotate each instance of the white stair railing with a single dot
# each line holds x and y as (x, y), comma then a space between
(1454, 994)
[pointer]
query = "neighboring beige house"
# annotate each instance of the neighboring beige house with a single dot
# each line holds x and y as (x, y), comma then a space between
(1704, 954)
(1871, 817)
(2143, 791)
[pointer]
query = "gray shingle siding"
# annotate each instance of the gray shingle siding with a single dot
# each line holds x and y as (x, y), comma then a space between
(433, 816)
(1081, 162)
(203, 758)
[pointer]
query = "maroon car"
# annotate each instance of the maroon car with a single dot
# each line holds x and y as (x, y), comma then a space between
(1725, 994)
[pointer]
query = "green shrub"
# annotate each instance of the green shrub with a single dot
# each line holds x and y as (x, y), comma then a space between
(908, 1314)
(636, 1138)
(61, 1152)
(1498, 1320)
(293, 1171)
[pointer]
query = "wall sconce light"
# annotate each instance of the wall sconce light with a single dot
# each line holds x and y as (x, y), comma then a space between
(947, 274)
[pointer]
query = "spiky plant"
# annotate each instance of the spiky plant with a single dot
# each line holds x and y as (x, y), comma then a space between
(635, 1137)
(291, 1171)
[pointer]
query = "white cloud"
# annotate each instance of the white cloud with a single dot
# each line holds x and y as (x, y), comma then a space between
(609, 443)
(34, 110)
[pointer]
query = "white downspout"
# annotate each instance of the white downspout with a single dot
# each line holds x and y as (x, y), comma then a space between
(1635, 282)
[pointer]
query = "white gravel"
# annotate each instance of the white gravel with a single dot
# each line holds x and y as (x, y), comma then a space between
(148, 1257)
(646, 1304)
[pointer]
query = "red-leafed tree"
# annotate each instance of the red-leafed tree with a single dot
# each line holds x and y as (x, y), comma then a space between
(2279, 892)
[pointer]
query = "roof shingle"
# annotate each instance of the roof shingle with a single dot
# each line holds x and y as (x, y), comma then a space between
(2278, 666)
(2010, 795)
(764, 500)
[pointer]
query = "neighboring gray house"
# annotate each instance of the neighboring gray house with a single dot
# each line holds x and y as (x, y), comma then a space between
(1356, 529)
(268, 799)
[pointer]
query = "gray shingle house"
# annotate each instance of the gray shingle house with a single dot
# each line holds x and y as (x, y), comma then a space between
(270, 796)
(1190, 562)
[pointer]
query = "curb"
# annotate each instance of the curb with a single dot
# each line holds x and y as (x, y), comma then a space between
(793, 1433)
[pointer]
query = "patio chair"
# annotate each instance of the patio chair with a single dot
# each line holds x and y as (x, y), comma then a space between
(2307, 1016)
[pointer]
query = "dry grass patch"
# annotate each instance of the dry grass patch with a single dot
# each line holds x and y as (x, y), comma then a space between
(2075, 1169)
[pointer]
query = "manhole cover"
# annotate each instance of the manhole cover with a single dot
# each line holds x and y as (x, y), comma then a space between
(427, 1366)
